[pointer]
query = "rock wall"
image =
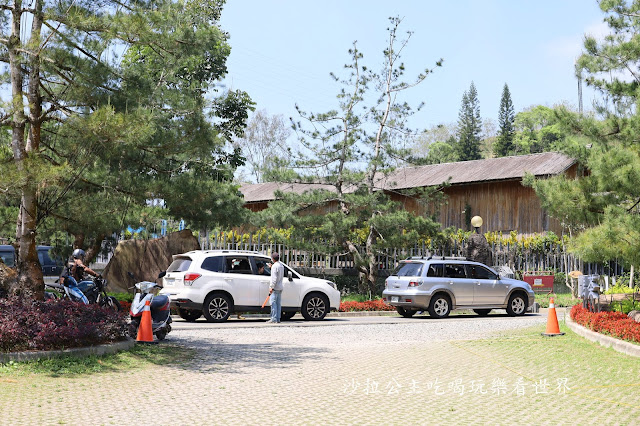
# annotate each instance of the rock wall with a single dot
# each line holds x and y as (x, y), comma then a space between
(145, 259)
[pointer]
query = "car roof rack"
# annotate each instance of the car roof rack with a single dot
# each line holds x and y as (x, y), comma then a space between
(447, 258)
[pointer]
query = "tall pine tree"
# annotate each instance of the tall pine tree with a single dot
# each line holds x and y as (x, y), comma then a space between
(469, 126)
(506, 119)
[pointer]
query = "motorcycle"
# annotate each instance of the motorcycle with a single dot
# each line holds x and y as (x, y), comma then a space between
(159, 306)
(96, 293)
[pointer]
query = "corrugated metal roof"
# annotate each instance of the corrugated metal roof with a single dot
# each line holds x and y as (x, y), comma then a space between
(491, 169)
(255, 192)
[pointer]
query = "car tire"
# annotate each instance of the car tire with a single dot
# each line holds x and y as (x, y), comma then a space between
(315, 307)
(286, 316)
(217, 307)
(440, 306)
(189, 315)
(407, 313)
(517, 305)
(482, 312)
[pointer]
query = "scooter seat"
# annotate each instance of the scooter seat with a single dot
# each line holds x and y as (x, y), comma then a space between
(159, 301)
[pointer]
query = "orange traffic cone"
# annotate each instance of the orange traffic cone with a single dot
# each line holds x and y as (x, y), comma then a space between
(145, 331)
(553, 329)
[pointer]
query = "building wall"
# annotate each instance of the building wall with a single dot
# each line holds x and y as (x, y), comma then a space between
(504, 206)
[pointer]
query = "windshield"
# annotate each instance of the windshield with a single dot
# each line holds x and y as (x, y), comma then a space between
(408, 269)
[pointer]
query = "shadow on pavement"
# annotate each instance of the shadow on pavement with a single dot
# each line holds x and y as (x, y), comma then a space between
(221, 357)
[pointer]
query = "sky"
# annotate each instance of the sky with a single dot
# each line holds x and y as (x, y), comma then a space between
(283, 51)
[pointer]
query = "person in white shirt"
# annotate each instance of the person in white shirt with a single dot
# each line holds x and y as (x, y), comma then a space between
(275, 288)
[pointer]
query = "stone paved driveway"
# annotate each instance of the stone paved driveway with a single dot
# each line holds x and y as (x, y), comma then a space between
(346, 371)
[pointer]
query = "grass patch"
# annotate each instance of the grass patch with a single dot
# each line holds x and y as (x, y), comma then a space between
(355, 297)
(140, 356)
(592, 370)
(560, 300)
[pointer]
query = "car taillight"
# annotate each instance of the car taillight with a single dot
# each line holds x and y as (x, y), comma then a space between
(190, 278)
(414, 284)
(386, 283)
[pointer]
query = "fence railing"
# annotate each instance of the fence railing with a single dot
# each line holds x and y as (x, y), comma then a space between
(519, 258)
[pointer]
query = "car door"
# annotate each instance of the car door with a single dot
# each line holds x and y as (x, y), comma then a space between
(489, 290)
(262, 274)
(243, 285)
(291, 291)
(456, 278)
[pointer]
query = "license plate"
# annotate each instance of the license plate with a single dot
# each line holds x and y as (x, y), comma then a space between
(168, 281)
(394, 299)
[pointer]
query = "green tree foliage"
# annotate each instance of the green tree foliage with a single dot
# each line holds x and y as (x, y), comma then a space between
(114, 103)
(538, 129)
(469, 126)
(435, 145)
(603, 207)
(506, 118)
(349, 149)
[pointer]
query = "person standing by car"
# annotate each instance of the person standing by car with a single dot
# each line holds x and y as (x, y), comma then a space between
(73, 275)
(276, 287)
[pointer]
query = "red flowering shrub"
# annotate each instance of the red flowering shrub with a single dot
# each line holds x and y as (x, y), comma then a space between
(57, 324)
(126, 306)
(369, 305)
(615, 324)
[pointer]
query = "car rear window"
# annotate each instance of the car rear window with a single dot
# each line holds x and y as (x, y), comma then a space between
(180, 264)
(408, 269)
(213, 264)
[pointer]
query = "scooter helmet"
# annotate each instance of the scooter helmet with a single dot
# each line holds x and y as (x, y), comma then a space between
(78, 254)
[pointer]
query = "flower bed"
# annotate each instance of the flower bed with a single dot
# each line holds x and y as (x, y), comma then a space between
(615, 324)
(369, 305)
(56, 324)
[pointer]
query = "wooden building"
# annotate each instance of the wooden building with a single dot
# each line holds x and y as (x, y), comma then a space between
(490, 188)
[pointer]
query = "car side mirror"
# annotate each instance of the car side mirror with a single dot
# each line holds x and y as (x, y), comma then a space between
(162, 274)
(290, 275)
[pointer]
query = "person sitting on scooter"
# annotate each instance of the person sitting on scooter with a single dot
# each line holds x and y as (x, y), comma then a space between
(73, 275)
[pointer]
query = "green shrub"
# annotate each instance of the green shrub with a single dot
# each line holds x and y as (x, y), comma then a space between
(620, 288)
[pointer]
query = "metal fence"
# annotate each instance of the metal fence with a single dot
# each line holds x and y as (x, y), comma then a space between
(551, 257)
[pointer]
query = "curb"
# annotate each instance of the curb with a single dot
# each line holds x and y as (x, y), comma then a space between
(109, 348)
(609, 342)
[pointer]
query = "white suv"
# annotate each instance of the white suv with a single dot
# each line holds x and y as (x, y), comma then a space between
(217, 283)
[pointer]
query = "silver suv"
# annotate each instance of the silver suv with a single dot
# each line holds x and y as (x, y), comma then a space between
(440, 284)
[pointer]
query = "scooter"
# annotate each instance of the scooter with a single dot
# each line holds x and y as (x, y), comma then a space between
(160, 309)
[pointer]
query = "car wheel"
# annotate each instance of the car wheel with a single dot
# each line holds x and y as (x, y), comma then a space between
(189, 315)
(407, 313)
(315, 307)
(217, 307)
(517, 305)
(161, 334)
(286, 316)
(440, 306)
(482, 312)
